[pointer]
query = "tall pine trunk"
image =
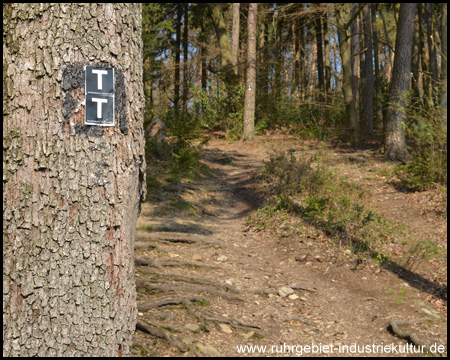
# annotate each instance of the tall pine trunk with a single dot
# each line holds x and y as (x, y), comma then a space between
(320, 65)
(327, 55)
(250, 90)
(367, 101)
(444, 65)
(378, 98)
(185, 93)
(395, 143)
(71, 192)
(176, 96)
(235, 37)
(344, 47)
(355, 55)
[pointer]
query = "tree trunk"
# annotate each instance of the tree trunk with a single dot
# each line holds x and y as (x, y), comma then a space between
(327, 55)
(278, 28)
(444, 64)
(71, 192)
(226, 58)
(355, 55)
(401, 74)
(176, 96)
(416, 68)
(379, 104)
(203, 61)
(344, 46)
(263, 66)
(389, 47)
(235, 37)
(367, 102)
(203, 54)
(250, 87)
(433, 74)
(302, 63)
(185, 57)
(320, 66)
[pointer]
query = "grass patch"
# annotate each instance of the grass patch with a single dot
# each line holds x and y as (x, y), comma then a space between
(145, 228)
(202, 302)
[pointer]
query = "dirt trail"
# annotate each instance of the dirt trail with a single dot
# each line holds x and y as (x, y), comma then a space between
(208, 284)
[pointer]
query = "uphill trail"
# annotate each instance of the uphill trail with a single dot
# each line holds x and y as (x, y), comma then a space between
(209, 285)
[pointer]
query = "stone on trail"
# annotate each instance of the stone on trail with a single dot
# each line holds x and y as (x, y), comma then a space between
(225, 328)
(248, 335)
(285, 291)
(207, 349)
(192, 327)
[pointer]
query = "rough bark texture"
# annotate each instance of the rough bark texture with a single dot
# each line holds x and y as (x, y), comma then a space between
(176, 95)
(235, 36)
(367, 103)
(355, 55)
(444, 65)
(344, 47)
(250, 90)
(401, 75)
(71, 192)
(226, 58)
(326, 43)
(320, 65)
(378, 96)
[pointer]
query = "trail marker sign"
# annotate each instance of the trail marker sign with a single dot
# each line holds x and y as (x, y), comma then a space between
(99, 96)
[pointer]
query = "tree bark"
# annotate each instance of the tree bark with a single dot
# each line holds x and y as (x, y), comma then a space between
(278, 28)
(416, 68)
(327, 55)
(302, 62)
(444, 65)
(320, 65)
(263, 66)
(379, 104)
(395, 139)
(367, 102)
(355, 55)
(71, 192)
(433, 74)
(176, 96)
(226, 58)
(235, 37)
(185, 93)
(250, 87)
(344, 46)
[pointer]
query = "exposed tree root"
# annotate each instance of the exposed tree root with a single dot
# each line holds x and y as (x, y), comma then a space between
(190, 288)
(301, 287)
(161, 333)
(147, 262)
(170, 262)
(233, 322)
(193, 280)
(139, 245)
(177, 237)
(145, 306)
(410, 337)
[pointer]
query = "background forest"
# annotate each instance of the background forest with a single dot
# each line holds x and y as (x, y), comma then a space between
(311, 59)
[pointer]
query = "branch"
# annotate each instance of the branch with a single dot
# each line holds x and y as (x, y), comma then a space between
(355, 15)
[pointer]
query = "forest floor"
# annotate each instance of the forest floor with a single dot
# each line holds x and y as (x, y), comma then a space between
(210, 285)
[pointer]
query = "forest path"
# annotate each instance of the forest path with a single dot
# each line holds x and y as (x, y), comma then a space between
(208, 284)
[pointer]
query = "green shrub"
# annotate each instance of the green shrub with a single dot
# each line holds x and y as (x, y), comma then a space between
(428, 137)
(221, 108)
